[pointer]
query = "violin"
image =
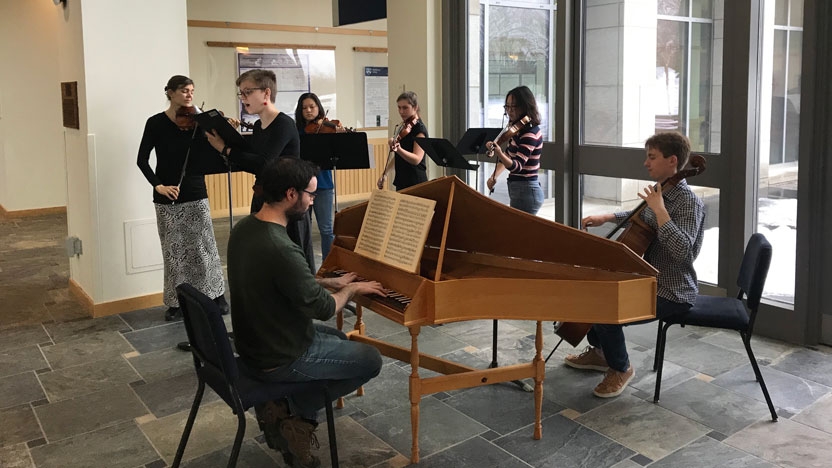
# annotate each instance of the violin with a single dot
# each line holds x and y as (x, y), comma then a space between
(185, 117)
(406, 127)
(637, 237)
(507, 133)
(325, 125)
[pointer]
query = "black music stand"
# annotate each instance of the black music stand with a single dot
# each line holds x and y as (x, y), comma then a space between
(336, 151)
(444, 154)
(473, 142)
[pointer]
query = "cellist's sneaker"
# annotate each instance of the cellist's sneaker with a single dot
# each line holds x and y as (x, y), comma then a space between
(614, 382)
(591, 359)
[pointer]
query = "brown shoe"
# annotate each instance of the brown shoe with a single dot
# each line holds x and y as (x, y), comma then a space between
(300, 434)
(614, 383)
(269, 418)
(589, 359)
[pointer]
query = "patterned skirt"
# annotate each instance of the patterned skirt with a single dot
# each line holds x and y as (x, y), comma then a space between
(189, 249)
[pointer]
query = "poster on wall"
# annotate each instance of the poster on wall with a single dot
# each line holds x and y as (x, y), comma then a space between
(375, 96)
(291, 71)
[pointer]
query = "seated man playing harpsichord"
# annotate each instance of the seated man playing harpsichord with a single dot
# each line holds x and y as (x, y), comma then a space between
(677, 217)
(275, 298)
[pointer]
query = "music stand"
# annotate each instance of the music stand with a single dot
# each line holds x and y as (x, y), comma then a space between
(473, 142)
(336, 151)
(444, 154)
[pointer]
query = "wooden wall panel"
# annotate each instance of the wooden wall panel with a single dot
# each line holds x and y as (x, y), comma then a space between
(353, 184)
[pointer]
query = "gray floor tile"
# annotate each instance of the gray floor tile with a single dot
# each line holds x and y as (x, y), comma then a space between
(251, 456)
(17, 360)
(15, 456)
(66, 331)
(215, 426)
(785, 443)
(19, 337)
(387, 391)
(440, 427)
(709, 452)
(83, 379)
(473, 452)
(156, 338)
(19, 425)
(702, 357)
(145, 318)
(642, 426)
(645, 378)
(93, 347)
(430, 341)
(765, 350)
(818, 415)
(712, 406)
(564, 443)
(20, 389)
(808, 364)
(572, 388)
(162, 364)
(101, 409)
(118, 446)
(172, 395)
(357, 447)
(502, 408)
(787, 391)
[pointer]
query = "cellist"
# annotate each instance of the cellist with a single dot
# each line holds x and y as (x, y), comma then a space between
(677, 215)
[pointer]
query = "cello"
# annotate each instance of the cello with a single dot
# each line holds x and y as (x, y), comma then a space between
(637, 236)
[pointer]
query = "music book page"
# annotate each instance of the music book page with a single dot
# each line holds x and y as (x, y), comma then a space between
(395, 228)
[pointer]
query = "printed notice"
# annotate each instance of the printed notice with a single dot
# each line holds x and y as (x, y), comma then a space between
(395, 228)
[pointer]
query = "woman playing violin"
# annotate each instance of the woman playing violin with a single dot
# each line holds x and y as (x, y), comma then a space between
(309, 112)
(183, 216)
(409, 156)
(522, 155)
(274, 136)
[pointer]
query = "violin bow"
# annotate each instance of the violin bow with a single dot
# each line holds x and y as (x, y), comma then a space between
(188, 153)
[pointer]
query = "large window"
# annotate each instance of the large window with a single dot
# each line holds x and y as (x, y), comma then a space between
(778, 143)
(510, 44)
(651, 67)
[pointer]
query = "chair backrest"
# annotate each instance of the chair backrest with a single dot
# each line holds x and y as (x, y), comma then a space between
(207, 334)
(754, 269)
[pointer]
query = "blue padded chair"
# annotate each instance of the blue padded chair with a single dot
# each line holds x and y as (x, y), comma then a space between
(216, 365)
(729, 313)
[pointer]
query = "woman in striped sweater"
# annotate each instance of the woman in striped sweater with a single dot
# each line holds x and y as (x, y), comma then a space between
(522, 155)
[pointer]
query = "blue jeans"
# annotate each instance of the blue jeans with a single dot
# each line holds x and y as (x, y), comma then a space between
(331, 356)
(610, 338)
(525, 195)
(323, 215)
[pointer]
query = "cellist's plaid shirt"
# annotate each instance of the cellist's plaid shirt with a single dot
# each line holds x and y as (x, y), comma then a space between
(677, 243)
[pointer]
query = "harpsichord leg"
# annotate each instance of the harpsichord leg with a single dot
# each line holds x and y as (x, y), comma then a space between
(539, 375)
(415, 393)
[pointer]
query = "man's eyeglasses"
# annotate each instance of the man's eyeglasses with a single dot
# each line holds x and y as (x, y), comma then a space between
(246, 92)
(311, 194)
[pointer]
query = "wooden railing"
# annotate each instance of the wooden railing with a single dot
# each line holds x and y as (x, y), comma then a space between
(352, 185)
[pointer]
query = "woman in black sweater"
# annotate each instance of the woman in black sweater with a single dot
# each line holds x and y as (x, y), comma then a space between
(183, 216)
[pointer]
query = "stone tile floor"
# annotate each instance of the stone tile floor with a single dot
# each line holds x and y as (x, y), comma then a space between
(113, 391)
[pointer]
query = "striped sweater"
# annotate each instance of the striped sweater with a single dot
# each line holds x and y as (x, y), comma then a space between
(524, 149)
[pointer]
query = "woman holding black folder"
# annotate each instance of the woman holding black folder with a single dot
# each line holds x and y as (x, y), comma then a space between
(183, 216)
(274, 136)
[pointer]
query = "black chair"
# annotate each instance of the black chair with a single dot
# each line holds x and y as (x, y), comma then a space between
(216, 365)
(729, 313)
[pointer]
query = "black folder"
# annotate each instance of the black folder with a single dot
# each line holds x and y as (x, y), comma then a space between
(214, 120)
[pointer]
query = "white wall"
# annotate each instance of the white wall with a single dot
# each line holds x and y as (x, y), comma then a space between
(32, 168)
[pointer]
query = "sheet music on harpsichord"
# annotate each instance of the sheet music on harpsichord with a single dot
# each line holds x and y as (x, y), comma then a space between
(394, 229)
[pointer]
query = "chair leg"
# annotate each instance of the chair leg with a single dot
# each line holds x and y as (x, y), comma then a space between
(238, 440)
(660, 358)
(656, 354)
(330, 425)
(189, 425)
(746, 339)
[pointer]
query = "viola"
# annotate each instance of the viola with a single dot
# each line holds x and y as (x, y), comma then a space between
(184, 117)
(637, 236)
(325, 125)
(507, 133)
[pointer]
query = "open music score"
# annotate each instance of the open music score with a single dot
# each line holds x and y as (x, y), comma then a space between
(395, 228)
